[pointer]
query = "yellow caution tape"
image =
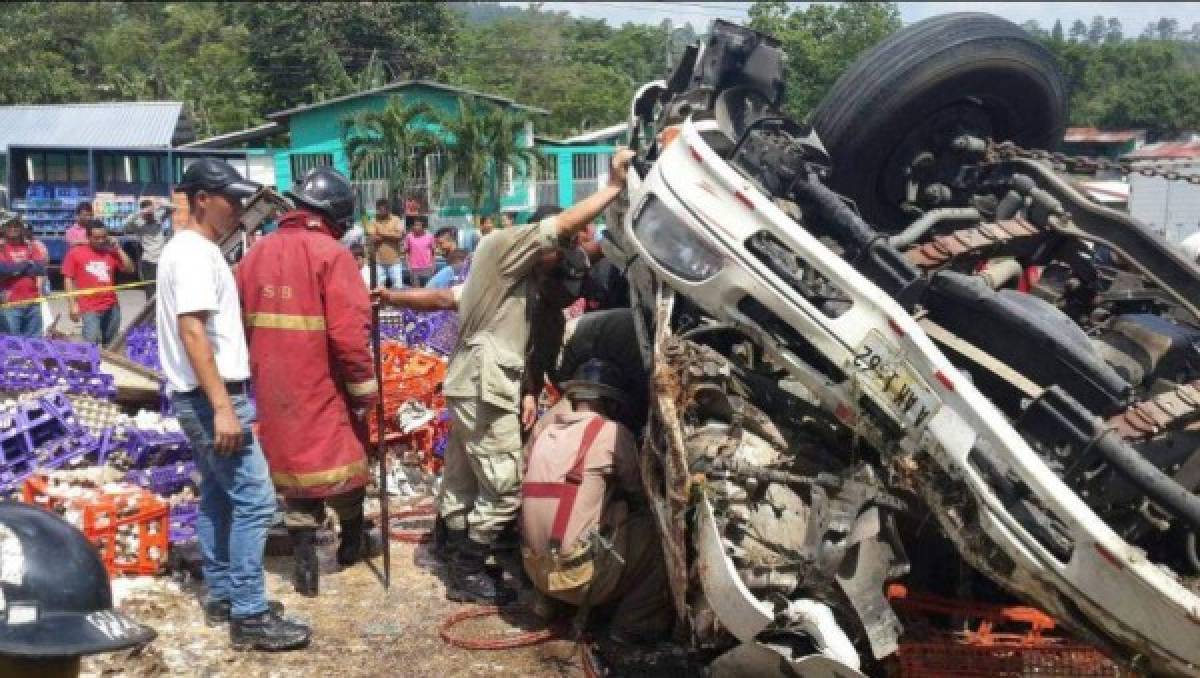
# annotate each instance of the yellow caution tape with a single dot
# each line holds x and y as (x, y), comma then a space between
(77, 293)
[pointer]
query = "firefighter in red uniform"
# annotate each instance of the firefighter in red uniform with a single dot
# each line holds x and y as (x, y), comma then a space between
(308, 317)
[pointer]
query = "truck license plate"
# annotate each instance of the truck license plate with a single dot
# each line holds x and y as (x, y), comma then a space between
(894, 383)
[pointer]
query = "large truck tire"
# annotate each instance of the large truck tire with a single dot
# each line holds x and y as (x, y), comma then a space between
(948, 75)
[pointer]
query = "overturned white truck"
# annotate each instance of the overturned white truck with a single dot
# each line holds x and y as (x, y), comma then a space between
(893, 334)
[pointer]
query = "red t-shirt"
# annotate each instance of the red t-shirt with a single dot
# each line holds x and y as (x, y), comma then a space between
(89, 268)
(24, 287)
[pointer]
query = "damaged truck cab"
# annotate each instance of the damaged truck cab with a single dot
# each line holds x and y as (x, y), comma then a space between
(819, 382)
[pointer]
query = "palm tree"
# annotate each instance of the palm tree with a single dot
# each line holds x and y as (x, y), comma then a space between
(395, 137)
(478, 144)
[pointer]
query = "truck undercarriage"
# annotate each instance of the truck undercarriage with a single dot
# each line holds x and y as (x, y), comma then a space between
(892, 332)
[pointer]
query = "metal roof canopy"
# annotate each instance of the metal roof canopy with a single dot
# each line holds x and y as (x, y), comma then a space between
(137, 124)
(283, 115)
(249, 134)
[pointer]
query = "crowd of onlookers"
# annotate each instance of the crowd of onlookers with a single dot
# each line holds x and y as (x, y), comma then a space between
(406, 254)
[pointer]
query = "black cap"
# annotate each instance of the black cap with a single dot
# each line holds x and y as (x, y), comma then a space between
(217, 176)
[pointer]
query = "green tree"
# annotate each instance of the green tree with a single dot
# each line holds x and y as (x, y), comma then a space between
(542, 59)
(1167, 29)
(821, 41)
(1114, 34)
(396, 138)
(1034, 28)
(1079, 31)
(478, 143)
(304, 51)
(1097, 30)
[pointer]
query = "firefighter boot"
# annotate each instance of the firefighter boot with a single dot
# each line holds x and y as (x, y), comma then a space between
(355, 543)
(469, 582)
(306, 575)
(442, 540)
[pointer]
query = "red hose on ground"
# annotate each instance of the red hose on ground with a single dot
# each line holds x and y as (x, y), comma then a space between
(527, 639)
(520, 640)
(418, 536)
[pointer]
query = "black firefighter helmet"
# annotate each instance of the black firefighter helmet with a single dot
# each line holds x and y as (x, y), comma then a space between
(325, 191)
(597, 379)
(56, 600)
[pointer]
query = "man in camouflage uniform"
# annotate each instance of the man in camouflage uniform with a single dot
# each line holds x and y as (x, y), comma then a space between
(482, 478)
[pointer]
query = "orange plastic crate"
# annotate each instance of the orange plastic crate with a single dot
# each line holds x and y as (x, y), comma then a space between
(954, 656)
(107, 518)
(1028, 650)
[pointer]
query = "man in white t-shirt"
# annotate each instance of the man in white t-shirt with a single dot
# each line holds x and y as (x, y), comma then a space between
(202, 348)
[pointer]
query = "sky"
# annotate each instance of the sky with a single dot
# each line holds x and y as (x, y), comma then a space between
(1133, 15)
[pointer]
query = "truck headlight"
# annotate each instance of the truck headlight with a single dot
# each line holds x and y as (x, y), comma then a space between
(673, 244)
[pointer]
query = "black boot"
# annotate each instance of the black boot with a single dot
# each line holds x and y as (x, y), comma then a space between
(355, 544)
(469, 583)
(306, 573)
(268, 631)
(442, 542)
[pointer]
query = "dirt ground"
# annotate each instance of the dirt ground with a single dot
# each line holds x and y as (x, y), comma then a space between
(358, 628)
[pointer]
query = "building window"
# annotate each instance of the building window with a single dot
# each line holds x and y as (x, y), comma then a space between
(303, 162)
(585, 173)
(507, 183)
(547, 181)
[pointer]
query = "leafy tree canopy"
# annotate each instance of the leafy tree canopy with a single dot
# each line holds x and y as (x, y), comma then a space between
(232, 63)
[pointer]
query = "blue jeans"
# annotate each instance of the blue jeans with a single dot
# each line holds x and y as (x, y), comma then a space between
(237, 505)
(390, 276)
(101, 328)
(25, 321)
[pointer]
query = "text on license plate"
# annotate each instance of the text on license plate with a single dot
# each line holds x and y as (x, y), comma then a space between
(885, 373)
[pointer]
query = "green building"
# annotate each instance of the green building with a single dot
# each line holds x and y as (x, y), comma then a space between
(570, 169)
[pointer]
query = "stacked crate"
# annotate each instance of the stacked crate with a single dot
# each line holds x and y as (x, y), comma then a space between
(128, 525)
(28, 364)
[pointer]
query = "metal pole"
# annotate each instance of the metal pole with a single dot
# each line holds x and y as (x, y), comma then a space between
(380, 446)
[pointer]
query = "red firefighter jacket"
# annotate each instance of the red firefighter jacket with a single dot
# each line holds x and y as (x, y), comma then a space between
(308, 317)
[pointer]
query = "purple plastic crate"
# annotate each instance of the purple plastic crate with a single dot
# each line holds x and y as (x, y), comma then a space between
(13, 475)
(64, 452)
(163, 480)
(36, 422)
(183, 522)
(443, 332)
(14, 443)
(141, 346)
(30, 364)
(51, 355)
(144, 449)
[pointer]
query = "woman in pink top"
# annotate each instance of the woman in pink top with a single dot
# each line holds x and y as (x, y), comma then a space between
(419, 245)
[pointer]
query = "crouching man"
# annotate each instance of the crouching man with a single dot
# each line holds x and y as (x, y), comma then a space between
(587, 537)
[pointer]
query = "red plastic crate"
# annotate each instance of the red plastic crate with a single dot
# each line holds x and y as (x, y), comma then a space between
(109, 517)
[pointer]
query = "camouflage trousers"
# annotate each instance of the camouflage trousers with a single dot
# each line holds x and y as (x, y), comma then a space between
(481, 479)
